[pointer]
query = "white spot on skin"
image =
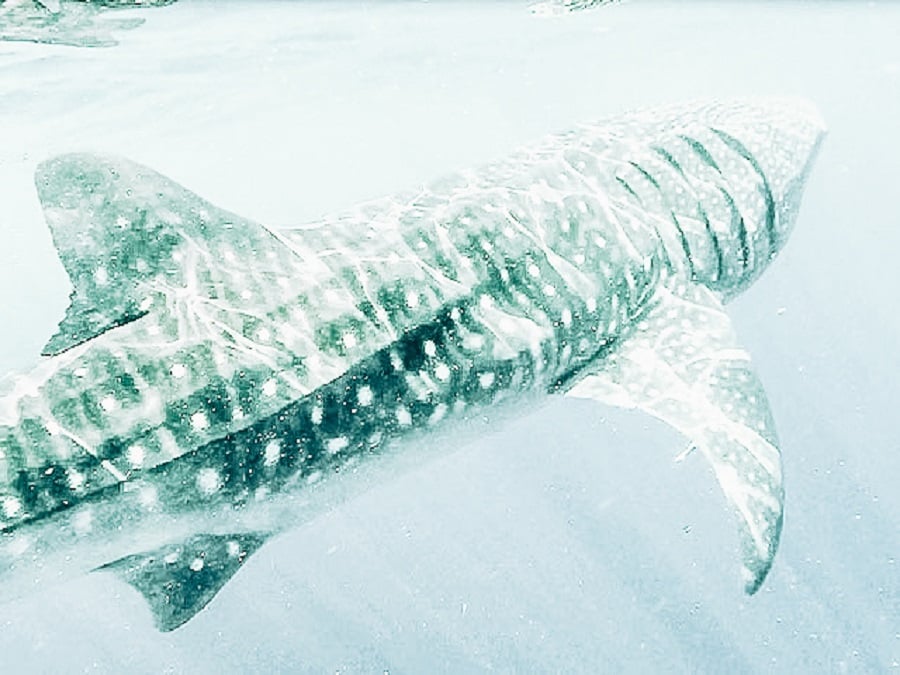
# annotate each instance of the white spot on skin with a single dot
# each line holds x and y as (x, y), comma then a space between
(349, 340)
(566, 317)
(146, 304)
(246, 295)
(80, 372)
(412, 299)
(591, 305)
(101, 276)
(263, 335)
(75, 479)
(135, 455)
(269, 387)
(430, 348)
(335, 445)
(199, 421)
(403, 416)
(233, 548)
(208, 481)
(11, 507)
(171, 558)
(316, 415)
(442, 372)
(473, 342)
(109, 403)
(549, 291)
(178, 371)
(237, 413)
(364, 395)
(455, 314)
(272, 453)
(485, 380)
(196, 564)
(534, 270)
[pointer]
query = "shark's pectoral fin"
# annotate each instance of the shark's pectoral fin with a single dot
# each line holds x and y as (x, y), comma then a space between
(180, 579)
(684, 366)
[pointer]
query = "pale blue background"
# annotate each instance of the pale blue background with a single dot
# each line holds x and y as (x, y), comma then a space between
(568, 540)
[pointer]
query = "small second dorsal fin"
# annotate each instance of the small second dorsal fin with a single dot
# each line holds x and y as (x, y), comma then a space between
(180, 579)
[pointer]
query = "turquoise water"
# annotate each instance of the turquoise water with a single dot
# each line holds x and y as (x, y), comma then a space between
(566, 539)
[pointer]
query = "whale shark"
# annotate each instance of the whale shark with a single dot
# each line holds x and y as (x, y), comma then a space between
(555, 7)
(75, 23)
(211, 376)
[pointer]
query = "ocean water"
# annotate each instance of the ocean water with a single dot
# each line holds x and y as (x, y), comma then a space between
(567, 540)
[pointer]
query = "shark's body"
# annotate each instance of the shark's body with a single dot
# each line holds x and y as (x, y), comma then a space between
(208, 369)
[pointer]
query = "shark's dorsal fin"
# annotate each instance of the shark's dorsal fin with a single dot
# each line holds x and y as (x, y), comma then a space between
(684, 366)
(108, 238)
(123, 232)
(179, 580)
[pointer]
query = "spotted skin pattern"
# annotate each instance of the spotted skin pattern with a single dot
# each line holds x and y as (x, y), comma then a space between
(206, 361)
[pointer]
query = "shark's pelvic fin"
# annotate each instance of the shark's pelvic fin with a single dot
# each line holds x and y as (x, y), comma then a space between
(683, 365)
(121, 230)
(179, 580)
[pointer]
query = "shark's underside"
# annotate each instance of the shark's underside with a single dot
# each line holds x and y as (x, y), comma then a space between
(207, 364)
